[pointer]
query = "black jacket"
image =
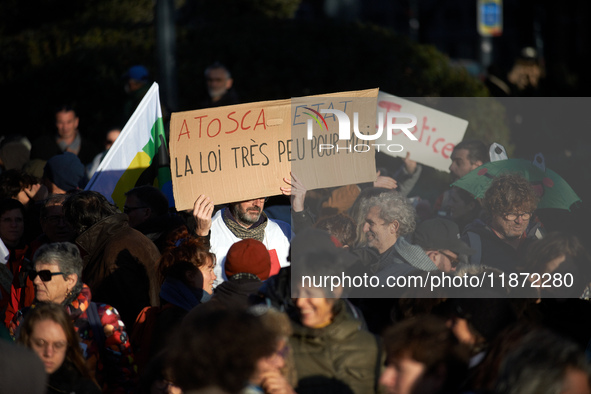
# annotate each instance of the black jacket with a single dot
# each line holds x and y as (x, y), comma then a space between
(68, 380)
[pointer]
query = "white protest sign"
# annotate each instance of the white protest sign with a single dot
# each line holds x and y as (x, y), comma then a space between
(4, 253)
(437, 133)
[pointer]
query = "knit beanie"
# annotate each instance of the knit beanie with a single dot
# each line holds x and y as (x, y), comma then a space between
(249, 256)
(65, 170)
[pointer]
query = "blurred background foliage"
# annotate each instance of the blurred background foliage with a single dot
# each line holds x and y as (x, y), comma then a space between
(75, 51)
(56, 51)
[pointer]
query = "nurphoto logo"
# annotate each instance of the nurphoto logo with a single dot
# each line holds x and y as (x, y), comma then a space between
(345, 129)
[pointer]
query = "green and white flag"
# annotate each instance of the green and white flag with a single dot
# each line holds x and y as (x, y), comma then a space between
(139, 155)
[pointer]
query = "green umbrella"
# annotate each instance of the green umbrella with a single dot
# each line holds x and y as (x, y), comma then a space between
(552, 189)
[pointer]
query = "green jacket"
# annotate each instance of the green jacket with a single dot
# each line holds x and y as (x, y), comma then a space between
(339, 358)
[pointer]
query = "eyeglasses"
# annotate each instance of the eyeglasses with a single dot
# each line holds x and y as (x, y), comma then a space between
(129, 209)
(43, 344)
(514, 215)
(45, 275)
(454, 261)
(283, 352)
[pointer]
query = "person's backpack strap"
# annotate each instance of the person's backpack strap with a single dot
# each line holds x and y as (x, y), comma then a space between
(143, 323)
(476, 244)
(141, 337)
(95, 324)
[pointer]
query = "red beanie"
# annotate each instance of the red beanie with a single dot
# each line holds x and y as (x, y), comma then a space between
(249, 256)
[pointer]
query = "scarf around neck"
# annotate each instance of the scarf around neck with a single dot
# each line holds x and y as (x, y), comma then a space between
(181, 295)
(74, 147)
(256, 231)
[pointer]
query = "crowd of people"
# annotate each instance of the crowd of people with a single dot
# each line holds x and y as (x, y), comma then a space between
(149, 299)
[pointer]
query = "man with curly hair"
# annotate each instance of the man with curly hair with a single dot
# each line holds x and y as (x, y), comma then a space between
(500, 240)
(389, 217)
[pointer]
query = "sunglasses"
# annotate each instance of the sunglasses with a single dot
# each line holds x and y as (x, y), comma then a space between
(45, 275)
(454, 261)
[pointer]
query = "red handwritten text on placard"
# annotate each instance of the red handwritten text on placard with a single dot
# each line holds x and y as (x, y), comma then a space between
(423, 132)
(212, 127)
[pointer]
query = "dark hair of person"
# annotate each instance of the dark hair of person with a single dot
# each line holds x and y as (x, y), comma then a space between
(8, 204)
(217, 66)
(465, 196)
(486, 373)
(427, 340)
(477, 150)
(554, 245)
(409, 307)
(13, 181)
(65, 107)
(280, 325)
(52, 201)
(86, 208)
(183, 252)
(57, 314)
(539, 364)
(341, 226)
(218, 348)
(152, 197)
(509, 193)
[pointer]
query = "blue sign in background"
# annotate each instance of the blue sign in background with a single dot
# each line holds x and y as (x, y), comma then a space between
(491, 14)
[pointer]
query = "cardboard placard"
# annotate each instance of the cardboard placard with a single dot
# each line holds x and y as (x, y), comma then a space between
(437, 132)
(243, 151)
